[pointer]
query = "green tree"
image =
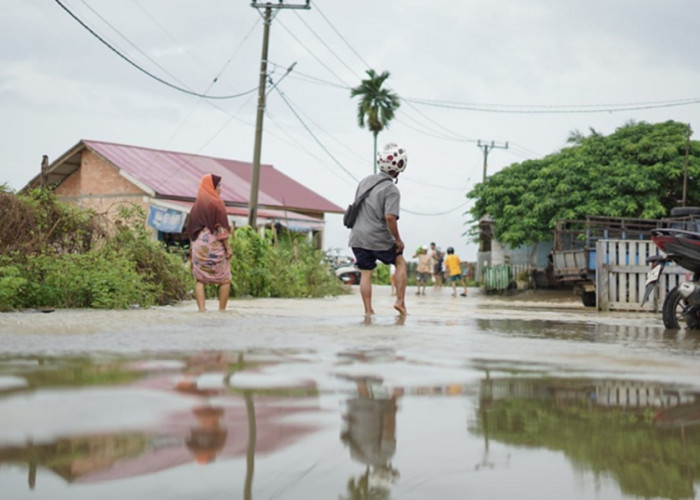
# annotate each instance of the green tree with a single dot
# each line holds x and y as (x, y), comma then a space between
(377, 105)
(637, 171)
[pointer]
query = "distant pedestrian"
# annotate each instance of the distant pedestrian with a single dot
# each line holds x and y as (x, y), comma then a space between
(375, 234)
(454, 268)
(436, 256)
(422, 269)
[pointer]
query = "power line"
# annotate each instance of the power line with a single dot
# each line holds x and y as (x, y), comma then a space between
(311, 53)
(214, 81)
(315, 138)
(555, 109)
(144, 71)
(412, 212)
(157, 23)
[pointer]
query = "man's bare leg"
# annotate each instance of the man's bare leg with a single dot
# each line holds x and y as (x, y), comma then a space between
(200, 296)
(366, 290)
(400, 280)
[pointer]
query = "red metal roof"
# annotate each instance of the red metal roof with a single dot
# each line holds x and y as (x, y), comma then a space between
(177, 175)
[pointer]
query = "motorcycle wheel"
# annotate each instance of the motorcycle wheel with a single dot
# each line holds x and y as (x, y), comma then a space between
(350, 278)
(676, 310)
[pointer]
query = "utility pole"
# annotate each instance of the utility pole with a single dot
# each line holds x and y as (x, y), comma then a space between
(255, 177)
(685, 168)
(486, 148)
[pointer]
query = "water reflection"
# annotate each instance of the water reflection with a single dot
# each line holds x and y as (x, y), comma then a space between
(241, 424)
(207, 439)
(653, 333)
(642, 434)
(370, 433)
(255, 428)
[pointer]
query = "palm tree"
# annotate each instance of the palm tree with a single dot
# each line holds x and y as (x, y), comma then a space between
(377, 105)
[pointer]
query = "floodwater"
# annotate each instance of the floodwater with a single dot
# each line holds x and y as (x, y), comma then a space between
(528, 397)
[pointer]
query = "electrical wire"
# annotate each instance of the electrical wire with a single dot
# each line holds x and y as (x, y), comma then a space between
(318, 59)
(555, 109)
(315, 138)
(434, 214)
(323, 42)
(214, 81)
(318, 9)
(144, 71)
(164, 30)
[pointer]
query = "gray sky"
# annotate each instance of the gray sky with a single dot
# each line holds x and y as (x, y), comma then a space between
(489, 70)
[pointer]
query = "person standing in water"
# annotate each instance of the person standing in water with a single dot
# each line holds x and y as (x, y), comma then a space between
(375, 234)
(210, 253)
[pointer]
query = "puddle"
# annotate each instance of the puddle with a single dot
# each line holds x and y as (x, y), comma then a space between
(306, 399)
(365, 423)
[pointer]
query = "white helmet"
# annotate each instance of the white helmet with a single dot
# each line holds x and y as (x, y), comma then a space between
(392, 158)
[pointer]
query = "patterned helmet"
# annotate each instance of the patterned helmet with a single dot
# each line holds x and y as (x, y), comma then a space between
(392, 159)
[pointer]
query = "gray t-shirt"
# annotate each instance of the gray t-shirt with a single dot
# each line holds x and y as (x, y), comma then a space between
(370, 230)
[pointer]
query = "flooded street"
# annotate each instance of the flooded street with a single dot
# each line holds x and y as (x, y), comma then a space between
(531, 396)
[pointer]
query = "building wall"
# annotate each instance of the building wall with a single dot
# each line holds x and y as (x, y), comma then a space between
(98, 185)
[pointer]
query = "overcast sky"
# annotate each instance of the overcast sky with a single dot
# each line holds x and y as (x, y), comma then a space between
(528, 72)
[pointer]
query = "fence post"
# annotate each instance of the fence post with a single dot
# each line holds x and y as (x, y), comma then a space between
(602, 278)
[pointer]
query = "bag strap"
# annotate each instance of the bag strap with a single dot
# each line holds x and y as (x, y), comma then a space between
(364, 195)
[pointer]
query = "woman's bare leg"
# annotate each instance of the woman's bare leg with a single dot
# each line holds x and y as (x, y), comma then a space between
(224, 291)
(200, 297)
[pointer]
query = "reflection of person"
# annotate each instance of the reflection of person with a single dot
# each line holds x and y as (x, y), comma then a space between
(209, 231)
(422, 269)
(370, 433)
(454, 268)
(207, 440)
(375, 234)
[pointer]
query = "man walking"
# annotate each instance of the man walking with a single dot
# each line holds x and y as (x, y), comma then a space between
(375, 234)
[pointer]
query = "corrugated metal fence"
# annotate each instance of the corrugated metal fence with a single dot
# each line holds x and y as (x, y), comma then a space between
(502, 277)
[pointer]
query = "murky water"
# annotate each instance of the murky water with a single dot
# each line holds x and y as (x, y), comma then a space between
(304, 399)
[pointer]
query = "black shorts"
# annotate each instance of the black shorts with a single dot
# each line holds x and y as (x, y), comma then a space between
(367, 259)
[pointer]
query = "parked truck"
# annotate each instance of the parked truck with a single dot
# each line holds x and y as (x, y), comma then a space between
(573, 258)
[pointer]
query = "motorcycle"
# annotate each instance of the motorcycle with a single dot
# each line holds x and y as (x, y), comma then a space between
(349, 274)
(682, 303)
(344, 268)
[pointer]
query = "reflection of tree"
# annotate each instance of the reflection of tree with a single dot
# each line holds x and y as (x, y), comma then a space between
(78, 371)
(647, 461)
(371, 436)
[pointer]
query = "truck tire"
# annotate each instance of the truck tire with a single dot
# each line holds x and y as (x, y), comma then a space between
(588, 299)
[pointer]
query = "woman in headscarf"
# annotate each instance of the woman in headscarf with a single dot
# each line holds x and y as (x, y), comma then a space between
(210, 252)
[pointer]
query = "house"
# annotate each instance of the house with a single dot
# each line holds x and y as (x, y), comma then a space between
(104, 176)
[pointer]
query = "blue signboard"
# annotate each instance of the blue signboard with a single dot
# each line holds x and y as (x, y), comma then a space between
(166, 220)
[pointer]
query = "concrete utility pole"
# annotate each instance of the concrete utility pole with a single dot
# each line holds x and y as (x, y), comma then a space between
(685, 167)
(255, 178)
(486, 148)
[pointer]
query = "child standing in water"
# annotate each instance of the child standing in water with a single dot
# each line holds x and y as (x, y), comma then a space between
(454, 268)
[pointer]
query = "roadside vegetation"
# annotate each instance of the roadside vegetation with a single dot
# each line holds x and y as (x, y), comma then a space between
(54, 255)
(638, 171)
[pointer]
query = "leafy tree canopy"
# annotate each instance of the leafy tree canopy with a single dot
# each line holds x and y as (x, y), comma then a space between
(635, 172)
